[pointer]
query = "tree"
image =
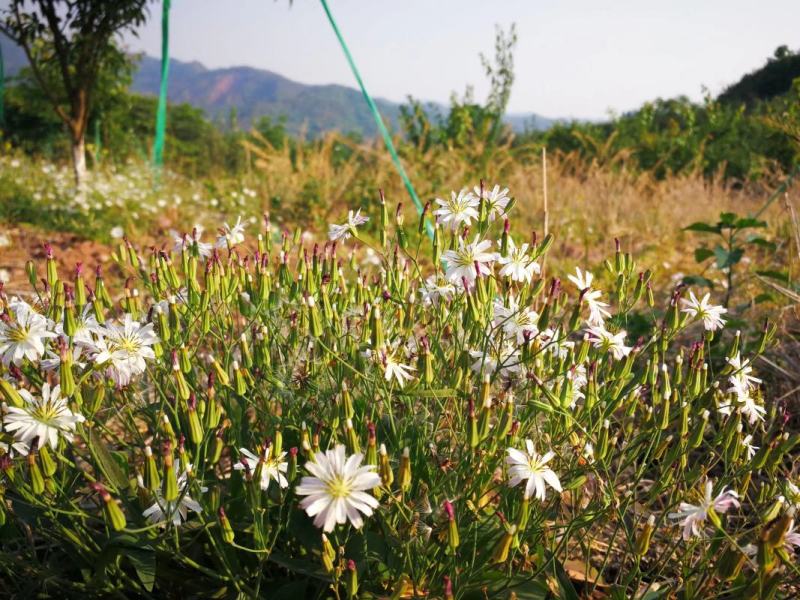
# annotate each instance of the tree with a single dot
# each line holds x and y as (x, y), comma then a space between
(68, 44)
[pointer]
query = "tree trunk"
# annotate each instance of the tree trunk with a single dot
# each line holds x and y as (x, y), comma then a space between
(79, 160)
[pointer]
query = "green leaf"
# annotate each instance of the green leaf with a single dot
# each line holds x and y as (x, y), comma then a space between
(765, 297)
(727, 219)
(727, 259)
(567, 589)
(106, 462)
(759, 241)
(698, 280)
(779, 275)
(701, 254)
(144, 563)
(702, 227)
(747, 222)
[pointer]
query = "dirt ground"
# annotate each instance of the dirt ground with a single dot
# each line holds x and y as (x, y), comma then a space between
(18, 244)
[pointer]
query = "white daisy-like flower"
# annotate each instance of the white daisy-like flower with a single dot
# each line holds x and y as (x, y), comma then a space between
(393, 368)
(177, 511)
(433, 290)
(703, 310)
(609, 342)
(582, 280)
(187, 242)
(517, 265)
(468, 261)
(23, 334)
(346, 230)
(503, 358)
(496, 200)
(461, 208)
(273, 468)
(742, 385)
(517, 323)
(597, 308)
(42, 418)
(231, 236)
(692, 517)
(531, 467)
(336, 491)
(125, 348)
(741, 379)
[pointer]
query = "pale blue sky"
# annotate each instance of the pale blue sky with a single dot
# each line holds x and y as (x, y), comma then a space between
(576, 58)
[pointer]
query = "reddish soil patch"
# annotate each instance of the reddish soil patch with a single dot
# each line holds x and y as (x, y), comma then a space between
(28, 243)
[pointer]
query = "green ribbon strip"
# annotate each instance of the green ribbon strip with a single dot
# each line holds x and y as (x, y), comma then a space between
(161, 112)
(2, 89)
(387, 139)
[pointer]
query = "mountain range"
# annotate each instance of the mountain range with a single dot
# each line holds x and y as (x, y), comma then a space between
(313, 109)
(258, 92)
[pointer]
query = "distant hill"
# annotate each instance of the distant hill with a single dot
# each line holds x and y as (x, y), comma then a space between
(258, 92)
(773, 79)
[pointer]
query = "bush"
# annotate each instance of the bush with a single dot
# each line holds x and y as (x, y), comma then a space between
(431, 419)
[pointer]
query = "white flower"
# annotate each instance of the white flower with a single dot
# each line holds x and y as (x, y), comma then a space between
(742, 386)
(124, 347)
(392, 368)
(741, 379)
(583, 281)
(230, 236)
(532, 468)
(609, 342)
(433, 290)
(597, 309)
(184, 241)
(749, 449)
(272, 467)
(85, 325)
(53, 360)
(461, 208)
(692, 517)
(22, 336)
(504, 359)
(176, 511)
(517, 265)
(701, 309)
(517, 323)
(43, 418)
(469, 261)
(338, 232)
(336, 490)
(117, 232)
(496, 200)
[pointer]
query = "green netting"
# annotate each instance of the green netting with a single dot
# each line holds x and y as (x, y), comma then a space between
(161, 112)
(387, 139)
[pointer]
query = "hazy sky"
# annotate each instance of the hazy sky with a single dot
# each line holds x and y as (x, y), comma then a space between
(578, 58)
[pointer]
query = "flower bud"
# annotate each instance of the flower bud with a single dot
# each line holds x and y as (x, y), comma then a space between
(225, 526)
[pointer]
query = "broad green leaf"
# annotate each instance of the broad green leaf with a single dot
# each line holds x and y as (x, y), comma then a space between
(144, 563)
(728, 219)
(701, 254)
(759, 241)
(702, 227)
(727, 259)
(698, 280)
(747, 222)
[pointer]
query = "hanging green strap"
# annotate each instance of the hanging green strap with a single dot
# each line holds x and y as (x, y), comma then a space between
(387, 139)
(161, 112)
(2, 89)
